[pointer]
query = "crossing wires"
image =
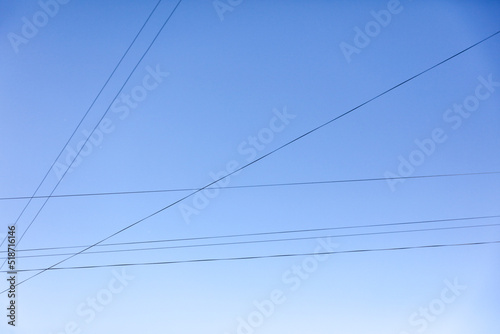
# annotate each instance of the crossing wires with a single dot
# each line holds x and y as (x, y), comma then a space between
(267, 154)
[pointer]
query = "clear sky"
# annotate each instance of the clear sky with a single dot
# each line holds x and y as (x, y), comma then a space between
(225, 83)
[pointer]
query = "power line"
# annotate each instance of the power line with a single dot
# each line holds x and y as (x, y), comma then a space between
(267, 241)
(242, 258)
(265, 155)
(249, 186)
(322, 229)
(81, 121)
(102, 117)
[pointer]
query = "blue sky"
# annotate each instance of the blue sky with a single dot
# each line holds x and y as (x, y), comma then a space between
(217, 86)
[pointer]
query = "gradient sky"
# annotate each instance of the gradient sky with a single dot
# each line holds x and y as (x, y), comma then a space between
(228, 76)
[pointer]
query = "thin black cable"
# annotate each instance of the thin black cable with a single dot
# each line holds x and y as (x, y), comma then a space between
(102, 117)
(81, 121)
(250, 186)
(322, 229)
(242, 258)
(263, 156)
(266, 241)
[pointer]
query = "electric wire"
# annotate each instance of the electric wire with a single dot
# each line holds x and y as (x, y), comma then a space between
(83, 118)
(263, 156)
(100, 120)
(242, 258)
(309, 230)
(285, 184)
(266, 241)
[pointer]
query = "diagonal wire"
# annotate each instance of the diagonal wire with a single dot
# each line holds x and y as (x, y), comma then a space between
(81, 121)
(104, 114)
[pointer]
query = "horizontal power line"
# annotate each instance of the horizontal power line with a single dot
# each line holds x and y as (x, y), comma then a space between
(264, 256)
(414, 222)
(265, 241)
(248, 186)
